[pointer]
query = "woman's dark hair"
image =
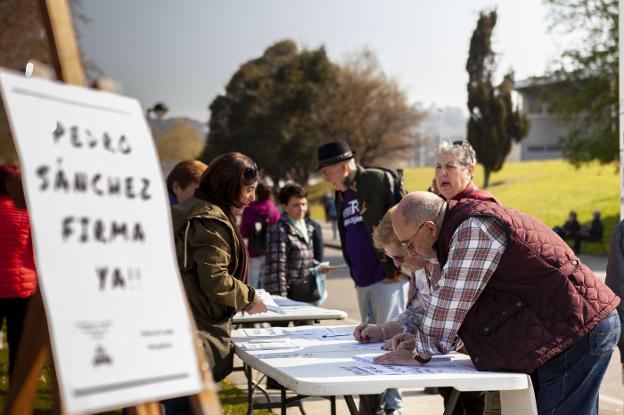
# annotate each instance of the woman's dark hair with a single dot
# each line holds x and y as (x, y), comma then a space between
(185, 173)
(225, 177)
(8, 172)
(289, 191)
(263, 192)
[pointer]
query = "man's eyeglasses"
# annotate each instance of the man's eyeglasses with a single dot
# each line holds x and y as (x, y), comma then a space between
(250, 172)
(406, 244)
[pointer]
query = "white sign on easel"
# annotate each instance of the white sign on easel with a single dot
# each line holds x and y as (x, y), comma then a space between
(119, 325)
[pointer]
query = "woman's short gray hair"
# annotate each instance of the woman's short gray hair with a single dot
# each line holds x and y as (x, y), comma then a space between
(462, 149)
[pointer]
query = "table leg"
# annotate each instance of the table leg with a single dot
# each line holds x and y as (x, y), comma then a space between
(300, 406)
(351, 405)
(249, 375)
(450, 404)
(332, 400)
(283, 392)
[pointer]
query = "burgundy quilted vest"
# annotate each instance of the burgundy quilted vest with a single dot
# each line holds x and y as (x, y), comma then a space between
(540, 300)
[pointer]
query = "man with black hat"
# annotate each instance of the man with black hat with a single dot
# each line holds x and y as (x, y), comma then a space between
(362, 198)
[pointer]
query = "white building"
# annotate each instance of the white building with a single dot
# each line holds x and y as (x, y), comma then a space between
(545, 129)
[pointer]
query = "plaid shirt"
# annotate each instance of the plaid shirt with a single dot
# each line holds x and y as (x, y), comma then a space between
(475, 252)
(421, 281)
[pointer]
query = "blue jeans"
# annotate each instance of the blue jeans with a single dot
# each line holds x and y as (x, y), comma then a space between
(256, 271)
(384, 301)
(569, 383)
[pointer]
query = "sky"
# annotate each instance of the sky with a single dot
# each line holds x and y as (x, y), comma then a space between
(183, 53)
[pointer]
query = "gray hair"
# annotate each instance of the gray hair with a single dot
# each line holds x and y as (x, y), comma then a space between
(384, 233)
(461, 149)
(351, 165)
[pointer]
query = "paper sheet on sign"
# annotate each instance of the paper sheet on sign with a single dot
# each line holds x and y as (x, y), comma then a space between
(101, 224)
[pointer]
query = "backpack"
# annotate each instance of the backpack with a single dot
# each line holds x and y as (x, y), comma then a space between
(397, 187)
(258, 237)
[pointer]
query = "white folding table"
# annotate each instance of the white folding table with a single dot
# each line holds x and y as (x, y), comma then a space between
(328, 367)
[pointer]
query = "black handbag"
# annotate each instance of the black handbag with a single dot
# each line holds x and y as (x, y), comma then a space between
(304, 289)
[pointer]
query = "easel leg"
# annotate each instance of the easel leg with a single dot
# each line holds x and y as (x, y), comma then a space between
(33, 352)
(149, 408)
(56, 391)
(206, 402)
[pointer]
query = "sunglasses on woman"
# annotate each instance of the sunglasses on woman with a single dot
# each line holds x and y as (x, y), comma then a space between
(250, 172)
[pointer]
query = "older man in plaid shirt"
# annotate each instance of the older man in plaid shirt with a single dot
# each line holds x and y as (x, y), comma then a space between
(514, 293)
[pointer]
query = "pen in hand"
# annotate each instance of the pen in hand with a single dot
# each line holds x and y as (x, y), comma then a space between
(336, 335)
(364, 324)
(404, 331)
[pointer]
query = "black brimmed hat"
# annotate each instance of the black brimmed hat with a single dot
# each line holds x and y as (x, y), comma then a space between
(333, 152)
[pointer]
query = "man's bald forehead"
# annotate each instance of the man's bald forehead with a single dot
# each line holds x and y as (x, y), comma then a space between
(416, 207)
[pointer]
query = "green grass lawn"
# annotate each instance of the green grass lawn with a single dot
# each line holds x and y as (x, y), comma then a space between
(547, 190)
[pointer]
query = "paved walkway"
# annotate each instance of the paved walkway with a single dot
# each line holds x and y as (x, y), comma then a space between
(415, 400)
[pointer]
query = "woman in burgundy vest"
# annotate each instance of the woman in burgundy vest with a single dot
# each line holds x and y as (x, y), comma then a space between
(454, 170)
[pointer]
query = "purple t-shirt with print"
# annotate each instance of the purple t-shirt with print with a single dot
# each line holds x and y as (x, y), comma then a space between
(365, 266)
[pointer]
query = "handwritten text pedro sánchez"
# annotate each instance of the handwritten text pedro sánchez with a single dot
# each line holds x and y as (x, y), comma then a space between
(84, 229)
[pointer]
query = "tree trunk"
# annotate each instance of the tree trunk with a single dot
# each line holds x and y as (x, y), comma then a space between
(486, 179)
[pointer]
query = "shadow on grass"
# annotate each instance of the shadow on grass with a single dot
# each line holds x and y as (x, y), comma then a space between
(234, 400)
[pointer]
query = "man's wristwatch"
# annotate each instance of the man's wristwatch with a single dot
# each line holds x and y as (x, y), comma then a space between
(421, 359)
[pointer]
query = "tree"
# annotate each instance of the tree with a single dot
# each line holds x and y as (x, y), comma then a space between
(280, 107)
(370, 112)
(181, 140)
(493, 123)
(265, 112)
(585, 91)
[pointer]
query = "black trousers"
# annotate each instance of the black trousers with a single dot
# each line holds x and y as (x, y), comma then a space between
(14, 311)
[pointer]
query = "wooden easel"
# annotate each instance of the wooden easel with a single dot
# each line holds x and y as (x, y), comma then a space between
(35, 342)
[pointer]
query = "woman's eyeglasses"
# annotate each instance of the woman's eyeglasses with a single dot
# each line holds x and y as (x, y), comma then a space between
(458, 142)
(250, 172)
(396, 258)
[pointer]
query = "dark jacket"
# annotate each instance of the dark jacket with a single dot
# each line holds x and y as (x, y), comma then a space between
(540, 299)
(208, 253)
(289, 257)
(372, 189)
(615, 275)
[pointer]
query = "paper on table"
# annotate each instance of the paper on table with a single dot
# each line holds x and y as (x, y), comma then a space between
(287, 302)
(438, 364)
(268, 301)
(323, 333)
(266, 332)
(267, 344)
